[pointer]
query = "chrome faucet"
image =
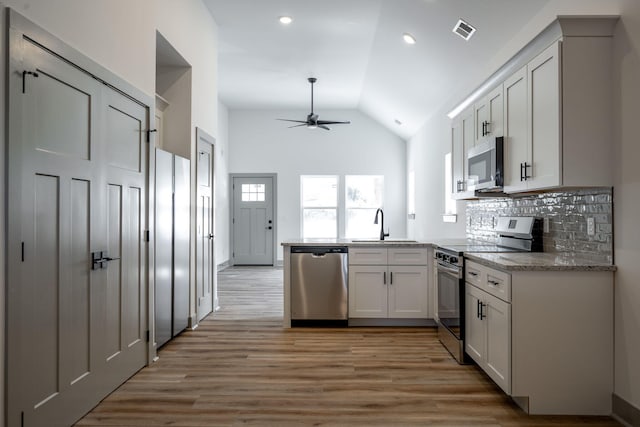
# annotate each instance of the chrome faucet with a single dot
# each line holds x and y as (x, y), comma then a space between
(375, 221)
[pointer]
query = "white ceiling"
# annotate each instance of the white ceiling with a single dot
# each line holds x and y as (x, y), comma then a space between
(355, 50)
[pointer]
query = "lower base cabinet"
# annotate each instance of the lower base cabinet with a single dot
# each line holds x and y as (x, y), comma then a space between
(545, 337)
(387, 291)
(388, 283)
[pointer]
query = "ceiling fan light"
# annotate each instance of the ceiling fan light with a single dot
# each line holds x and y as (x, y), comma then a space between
(285, 20)
(408, 38)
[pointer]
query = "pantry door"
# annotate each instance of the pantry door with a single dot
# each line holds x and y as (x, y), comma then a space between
(76, 301)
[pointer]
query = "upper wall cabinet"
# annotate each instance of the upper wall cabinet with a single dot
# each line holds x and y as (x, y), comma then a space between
(462, 138)
(489, 116)
(555, 110)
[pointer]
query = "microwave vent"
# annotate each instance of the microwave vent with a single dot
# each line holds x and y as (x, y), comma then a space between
(464, 29)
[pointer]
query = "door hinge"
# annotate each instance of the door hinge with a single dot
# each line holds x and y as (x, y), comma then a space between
(149, 134)
(148, 335)
(147, 236)
(22, 251)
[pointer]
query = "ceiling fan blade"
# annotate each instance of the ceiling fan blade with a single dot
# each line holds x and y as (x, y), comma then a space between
(324, 127)
(295, 121)
(328, 122)
(296, 126)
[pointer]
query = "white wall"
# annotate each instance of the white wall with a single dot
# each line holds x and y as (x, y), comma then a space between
(121, 36)
(261, 144)
(222, 186)
(425, 156)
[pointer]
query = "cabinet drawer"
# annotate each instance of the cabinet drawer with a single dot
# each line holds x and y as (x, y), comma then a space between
(473, 273)
(495, 282)
(367, 256)
(498, 283)
(408, 256)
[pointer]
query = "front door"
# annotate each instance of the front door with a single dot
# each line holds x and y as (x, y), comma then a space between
(204, 231)
(253, 222)
(77, 185)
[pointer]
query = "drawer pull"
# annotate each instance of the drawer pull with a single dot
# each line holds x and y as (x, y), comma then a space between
(494, 282)
(473, 273)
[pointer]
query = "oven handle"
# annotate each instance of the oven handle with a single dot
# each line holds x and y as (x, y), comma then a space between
(456, 272)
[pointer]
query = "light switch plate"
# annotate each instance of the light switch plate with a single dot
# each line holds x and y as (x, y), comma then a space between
(591, 226)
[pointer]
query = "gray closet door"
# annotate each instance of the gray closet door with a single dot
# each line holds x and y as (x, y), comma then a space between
(77, 185)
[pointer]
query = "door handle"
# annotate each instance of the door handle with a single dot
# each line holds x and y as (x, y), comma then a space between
(99, 259)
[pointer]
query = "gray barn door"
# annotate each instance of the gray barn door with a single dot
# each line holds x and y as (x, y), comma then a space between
(77, 183)
(253, 222)
(205, 264)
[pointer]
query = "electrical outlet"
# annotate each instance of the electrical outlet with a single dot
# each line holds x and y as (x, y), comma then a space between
(591, 226)
(545, 225)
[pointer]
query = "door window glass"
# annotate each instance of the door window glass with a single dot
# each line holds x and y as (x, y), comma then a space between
(253, 192)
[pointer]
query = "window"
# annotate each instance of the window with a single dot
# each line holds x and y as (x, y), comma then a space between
(363, 196)
(319, 206)
(253, 192)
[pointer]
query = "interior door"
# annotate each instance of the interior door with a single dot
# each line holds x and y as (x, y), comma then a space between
(75, 332)
(205, 265)
(253, 222)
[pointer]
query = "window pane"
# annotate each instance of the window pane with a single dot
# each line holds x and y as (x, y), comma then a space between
(319, 223)
(319, 191)
(360, 223)
(364, 191)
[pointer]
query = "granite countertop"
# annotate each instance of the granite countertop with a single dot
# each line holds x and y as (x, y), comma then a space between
(538, 261)
(356, 242)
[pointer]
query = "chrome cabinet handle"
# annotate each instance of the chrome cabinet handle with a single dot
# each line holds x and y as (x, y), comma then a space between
(473, 273)
(493, 282)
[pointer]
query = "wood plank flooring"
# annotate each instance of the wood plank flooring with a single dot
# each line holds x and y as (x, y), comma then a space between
(240, 367)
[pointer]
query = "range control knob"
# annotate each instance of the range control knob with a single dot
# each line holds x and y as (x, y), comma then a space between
(453, 259)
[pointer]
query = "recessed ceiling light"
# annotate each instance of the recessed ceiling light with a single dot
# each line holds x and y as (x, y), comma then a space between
(464, 29)
(408, 38)
(286, 20)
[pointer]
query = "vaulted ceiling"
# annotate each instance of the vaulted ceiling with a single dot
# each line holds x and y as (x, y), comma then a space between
(356, 51)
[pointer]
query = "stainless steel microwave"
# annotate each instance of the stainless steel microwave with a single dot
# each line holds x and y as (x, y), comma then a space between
(485, 165)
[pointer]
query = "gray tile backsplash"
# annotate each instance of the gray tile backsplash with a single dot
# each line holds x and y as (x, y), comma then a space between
(567, 212)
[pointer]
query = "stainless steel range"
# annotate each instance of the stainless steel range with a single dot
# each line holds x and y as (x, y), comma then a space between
(515, 234)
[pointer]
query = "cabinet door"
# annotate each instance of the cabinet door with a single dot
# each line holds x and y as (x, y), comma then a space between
(457, 158)
(543, 75)
(408, 292)
(498, 346)
(367, 291)
(475, 328)
(495, 113)
(517, 146)
(481, 117)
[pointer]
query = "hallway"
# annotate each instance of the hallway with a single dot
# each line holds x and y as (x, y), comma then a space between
(239, 367)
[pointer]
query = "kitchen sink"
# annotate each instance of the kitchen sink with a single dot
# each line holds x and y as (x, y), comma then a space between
(383, 241)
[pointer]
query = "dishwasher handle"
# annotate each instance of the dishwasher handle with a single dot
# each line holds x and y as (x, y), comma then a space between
(319, 251)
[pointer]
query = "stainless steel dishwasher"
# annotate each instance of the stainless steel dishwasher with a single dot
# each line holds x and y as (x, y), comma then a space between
(319, 293)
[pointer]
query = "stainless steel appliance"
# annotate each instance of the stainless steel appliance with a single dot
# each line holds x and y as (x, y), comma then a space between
(515, 234)
(485, 165)
(319, 293)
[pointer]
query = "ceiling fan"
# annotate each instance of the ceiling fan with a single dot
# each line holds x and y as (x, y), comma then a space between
(312, 121)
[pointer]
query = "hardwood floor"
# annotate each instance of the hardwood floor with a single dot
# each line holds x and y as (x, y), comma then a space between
(240, 367)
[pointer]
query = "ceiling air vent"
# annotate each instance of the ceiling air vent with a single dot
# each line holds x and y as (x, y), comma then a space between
(464, 29)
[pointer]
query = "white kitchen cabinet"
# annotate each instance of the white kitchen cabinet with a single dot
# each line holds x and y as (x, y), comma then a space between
(488, 334)
(545, 337)
(396, 289)
(489, 115)
(568, 118)
(462, 139)
(517, 148)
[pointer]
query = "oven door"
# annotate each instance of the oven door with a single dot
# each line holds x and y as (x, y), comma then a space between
(449, 280)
